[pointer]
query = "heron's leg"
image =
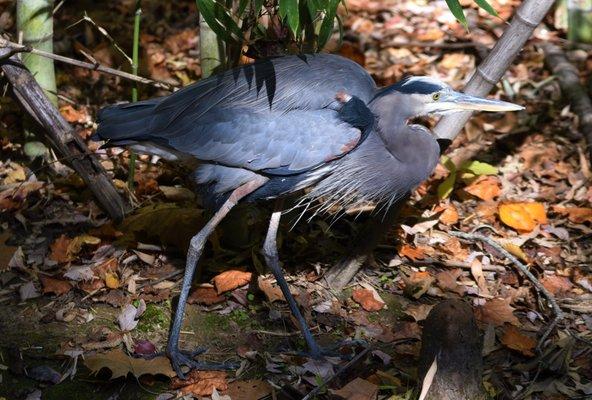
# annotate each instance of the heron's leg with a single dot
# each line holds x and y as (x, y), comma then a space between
(270, 253)
(196, 246)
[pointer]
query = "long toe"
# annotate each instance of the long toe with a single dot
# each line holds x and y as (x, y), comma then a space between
(183, 358)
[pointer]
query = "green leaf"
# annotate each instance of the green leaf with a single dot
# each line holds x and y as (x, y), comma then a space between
(289, 9)
(447, 186)
(313, 6)
(457, 11)
(487, 7)
(478, 168)
(242, 6)
(327, 24)
(448, 163)
(218, 19)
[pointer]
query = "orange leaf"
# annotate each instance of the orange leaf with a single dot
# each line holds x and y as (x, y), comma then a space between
(557, 285)
(516, 340)
(411, 252)
(271, 291)
(366, 299)
(230, 280)
(497, 312)
(57, 286)
(577, 215)
(418, 283)
(205, 295)
(111, 280)
(523, 216)
(201, 383)
(485, 187)
(449, 216)
(72, 115)
(59, 249)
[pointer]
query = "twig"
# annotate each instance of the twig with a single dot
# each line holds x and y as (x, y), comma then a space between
(353, 361)
(161, 279)
(524, 269)
(281, 334)
(19, 48)
(456, 264)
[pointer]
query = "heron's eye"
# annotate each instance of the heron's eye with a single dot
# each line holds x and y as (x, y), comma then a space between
(436, 96)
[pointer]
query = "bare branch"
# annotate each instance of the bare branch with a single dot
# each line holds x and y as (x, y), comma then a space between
(19, 48)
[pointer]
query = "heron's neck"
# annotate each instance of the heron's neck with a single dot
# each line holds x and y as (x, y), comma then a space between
(392, 117)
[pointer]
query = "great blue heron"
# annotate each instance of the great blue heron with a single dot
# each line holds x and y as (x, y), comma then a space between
(275, 127)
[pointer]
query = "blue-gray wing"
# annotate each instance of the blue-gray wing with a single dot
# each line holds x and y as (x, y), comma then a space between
(278, 114)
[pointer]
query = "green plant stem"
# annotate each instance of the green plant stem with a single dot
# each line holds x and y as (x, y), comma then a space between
(135, 62)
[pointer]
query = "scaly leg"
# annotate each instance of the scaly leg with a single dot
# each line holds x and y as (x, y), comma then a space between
(271, 257)
(177, 357)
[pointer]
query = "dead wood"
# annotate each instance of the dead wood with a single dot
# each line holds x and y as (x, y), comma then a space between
(450, 335)
(571, 88)
(61, 136)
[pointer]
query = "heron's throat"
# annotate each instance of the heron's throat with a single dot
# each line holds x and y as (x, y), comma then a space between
(392, 116)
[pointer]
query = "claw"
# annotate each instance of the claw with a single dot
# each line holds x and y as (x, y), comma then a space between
(181, 358)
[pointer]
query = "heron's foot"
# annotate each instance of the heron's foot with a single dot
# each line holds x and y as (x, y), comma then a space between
(182, 358)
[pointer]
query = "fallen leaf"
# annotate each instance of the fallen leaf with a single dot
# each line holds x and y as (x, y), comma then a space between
(59, 250)
(80, 273)
(201, 383)
(447, 281)
(28, 291)
(478, 168)
(577, 215)
(417, 283)
(72, 115)
(557, 285)
(56, 286)
(419, 312)
(205, 295)
(76, 244)
(230, 280)
(523, 216)
(497, 312)
(179, 194)
(111, 280)
(367, 299)
(477, 272)
(516, 251)
(12, 199)
(271, 290)
(516, 340)
(121, 364)
(449, 216)
(128, 318)
(358, 389)
(249, 389)
(485, 188)
(413, 253)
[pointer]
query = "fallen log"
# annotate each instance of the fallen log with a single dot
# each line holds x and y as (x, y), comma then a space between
(451, 338)
(61, 136)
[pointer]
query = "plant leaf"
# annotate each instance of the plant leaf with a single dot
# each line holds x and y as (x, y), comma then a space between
(457, 11)
(328, 23)
(487, 7)
(289, 9)
(446, 187)
(479, 168)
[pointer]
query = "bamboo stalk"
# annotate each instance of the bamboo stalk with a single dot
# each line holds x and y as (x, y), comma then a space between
(135, 62)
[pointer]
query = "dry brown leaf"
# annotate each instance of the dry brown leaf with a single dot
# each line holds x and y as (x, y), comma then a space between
(485, 188)
(271, 290)
(367, 299)
(56, 286)
(419, 312)
(516, 340)
(230, 280)
(516, 251)
(201, 383)
(447, 281)
(72, 115)
(76, 244)
(557, 285)
(477, 272)
(358, 389)
(205, 295)
(577, 215)
(59, 249)
(417, 283)
(248, 390)
(413, 253)
(449, 216)
(12, 199)
(497, 312)
(121, 364)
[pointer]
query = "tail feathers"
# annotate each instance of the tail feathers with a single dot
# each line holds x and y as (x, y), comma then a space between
(124, 123)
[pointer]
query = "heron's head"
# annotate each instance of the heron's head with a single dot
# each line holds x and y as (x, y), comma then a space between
(422, 95)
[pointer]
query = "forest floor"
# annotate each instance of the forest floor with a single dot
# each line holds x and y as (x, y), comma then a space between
(80, 294)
